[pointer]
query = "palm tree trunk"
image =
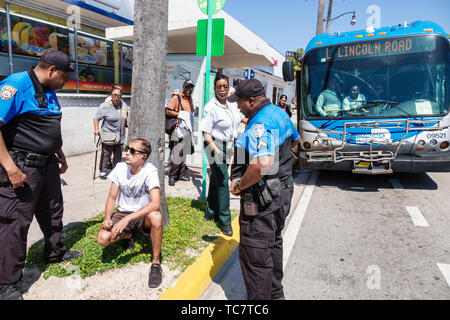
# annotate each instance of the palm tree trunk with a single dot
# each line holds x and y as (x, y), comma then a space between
(149, 83)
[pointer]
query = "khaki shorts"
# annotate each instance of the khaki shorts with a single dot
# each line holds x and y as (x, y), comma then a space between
(135, 225)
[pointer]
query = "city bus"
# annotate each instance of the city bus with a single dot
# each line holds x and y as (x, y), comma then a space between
(375, 101)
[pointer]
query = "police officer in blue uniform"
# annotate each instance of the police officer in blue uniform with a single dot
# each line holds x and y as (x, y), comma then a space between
(30, 154)
(262, 176)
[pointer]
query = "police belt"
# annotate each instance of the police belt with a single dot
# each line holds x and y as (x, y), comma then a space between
(29, 159)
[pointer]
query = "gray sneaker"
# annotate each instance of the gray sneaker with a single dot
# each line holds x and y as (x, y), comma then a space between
(155, 276)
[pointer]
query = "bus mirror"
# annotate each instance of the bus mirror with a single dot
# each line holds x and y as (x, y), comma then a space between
(288, 70)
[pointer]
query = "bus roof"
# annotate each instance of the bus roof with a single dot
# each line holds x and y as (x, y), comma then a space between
(415, 28)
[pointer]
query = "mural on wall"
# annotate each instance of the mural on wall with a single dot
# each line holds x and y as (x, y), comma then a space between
(30, 37)
(90, 50)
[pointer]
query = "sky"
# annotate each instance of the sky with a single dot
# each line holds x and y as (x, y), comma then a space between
(290, 24)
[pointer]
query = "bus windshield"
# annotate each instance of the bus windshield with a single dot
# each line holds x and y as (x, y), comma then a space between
(394, 77)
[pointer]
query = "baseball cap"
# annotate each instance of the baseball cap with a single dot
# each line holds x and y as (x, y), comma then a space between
(61, 61)
(246, 89)
(188, 82)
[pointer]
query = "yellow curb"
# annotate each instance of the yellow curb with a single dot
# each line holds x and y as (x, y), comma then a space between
(196, 279)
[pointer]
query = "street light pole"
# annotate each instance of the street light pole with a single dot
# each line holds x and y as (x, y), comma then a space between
(330, 8)
(352, 22)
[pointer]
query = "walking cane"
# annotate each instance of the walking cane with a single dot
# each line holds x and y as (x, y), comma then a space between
(96, 154)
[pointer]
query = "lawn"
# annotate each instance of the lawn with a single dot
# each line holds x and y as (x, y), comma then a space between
(186, 236)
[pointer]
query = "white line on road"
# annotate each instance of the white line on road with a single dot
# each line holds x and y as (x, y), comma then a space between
(417, 217)
(396, 184)
(445, 270)
(296, 220)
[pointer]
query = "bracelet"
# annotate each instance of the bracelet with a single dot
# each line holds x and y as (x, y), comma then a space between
(237, 185)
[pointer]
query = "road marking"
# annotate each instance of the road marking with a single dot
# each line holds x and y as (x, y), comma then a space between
(445, 270)
(296, 220)
(417, 216)
(396, 184)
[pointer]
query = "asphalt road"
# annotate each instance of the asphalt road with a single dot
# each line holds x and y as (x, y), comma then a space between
(373, 237)
(362, 237)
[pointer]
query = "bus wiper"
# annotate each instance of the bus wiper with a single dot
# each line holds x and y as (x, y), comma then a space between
(374, 103)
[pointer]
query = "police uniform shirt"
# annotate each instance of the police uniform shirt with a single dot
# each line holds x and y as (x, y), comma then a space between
(25, 125)
(269, 133)
(220, 121)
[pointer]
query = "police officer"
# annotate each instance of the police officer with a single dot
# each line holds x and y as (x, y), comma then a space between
(30, 154)
(262, 176)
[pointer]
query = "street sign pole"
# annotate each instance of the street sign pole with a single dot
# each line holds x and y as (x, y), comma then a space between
(207, 87)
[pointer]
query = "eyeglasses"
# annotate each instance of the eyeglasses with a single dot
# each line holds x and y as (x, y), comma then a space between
(116, 95)
(133, 150)
(222, 87)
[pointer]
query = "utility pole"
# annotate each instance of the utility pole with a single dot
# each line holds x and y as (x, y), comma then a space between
(321, 7)
(330, 8)
(149, 84)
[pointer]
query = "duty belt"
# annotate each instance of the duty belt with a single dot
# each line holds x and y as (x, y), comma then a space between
(30, 159)
(287, 183)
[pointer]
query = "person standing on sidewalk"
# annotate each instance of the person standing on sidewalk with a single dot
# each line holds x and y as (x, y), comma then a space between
(136, 185)
(30, 154)
(265, 184)
(184, 102)
(219, 124)
(113, 114)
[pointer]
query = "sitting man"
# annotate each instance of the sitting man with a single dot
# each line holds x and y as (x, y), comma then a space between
(354, 100)
(329, 101)
(136, 183)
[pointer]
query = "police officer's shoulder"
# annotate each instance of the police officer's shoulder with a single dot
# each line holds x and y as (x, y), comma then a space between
(19, 81)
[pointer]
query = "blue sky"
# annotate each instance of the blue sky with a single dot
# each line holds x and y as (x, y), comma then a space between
(290, 24)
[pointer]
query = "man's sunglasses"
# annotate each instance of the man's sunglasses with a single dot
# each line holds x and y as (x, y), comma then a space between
(133, 150)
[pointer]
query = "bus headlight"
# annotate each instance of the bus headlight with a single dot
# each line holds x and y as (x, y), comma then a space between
(315, 143)
(325, 142)
(444, 145)
(433, 142)
(307, 145)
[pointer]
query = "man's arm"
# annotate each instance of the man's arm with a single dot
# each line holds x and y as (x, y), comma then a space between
(16, 177)
(110, 204)
(253, 174)
(62, 161)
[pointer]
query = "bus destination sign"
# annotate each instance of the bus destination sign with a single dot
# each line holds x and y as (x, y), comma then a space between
(378, 48)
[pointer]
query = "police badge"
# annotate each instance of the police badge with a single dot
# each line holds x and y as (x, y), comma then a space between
(8, 92)
(258, 130)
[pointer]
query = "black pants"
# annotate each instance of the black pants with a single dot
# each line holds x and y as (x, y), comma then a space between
(261, 248)
(42, 197)
(178, 166)
(108, 151)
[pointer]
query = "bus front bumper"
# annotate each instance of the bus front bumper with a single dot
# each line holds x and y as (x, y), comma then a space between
(402, 163)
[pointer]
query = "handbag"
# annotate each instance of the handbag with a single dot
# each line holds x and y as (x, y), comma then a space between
(171, 122)
(112, 138)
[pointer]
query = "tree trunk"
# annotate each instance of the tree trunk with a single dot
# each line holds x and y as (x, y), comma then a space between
(319, 28)
(149, 83)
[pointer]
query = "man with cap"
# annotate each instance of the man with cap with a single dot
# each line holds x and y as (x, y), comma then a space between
(30, 154)
(262, 175)
(179, 102)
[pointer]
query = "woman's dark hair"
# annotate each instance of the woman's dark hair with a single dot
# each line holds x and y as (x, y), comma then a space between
(282, 96)
(220, 77)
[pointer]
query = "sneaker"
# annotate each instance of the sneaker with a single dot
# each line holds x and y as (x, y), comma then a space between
(171, 181)
(155, 276)
(183, 178)
(69, 255)
(226, 230)
(127, 243)
(103, 175)
(10, 292)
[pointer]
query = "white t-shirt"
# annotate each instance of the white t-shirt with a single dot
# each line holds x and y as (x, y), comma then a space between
(219, 121)
(135, 189)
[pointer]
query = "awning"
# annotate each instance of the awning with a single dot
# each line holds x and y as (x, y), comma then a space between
(242, 48)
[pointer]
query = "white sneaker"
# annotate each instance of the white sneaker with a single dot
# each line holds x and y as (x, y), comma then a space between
(102, 175)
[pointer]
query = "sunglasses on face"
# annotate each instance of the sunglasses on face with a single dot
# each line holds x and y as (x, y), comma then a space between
(222, 87)
(133, 150)
(116, 96)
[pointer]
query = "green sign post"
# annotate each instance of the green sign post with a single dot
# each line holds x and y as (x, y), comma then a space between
(209, 7)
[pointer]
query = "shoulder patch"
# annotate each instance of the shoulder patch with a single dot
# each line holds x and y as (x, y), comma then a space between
(258, 130)
(204, 114)
(8, 92)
